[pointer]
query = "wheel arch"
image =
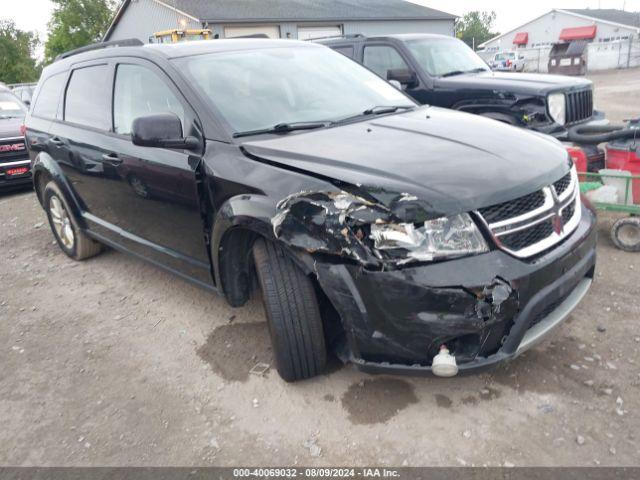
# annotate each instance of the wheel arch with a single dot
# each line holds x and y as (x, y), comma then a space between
(238, 224)
(496, 111)
(46, 169)
(500, 117)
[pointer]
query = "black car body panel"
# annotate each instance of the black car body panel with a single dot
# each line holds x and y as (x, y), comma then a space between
(434, 162)
(519, 99)
(522, 83)
(197, 213)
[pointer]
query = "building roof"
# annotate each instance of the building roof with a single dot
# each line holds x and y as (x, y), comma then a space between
(307, 10)
(252, 11)
(610, 15)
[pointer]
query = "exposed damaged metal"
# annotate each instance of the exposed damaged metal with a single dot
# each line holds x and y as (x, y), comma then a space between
(385, 229)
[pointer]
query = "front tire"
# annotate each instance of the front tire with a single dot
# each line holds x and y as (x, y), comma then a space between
(71, 239)
(292, 312)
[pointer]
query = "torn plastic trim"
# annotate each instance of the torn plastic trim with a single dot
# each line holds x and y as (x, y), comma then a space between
(340, 222)
(381, 324)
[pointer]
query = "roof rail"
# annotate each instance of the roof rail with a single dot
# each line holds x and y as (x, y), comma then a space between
(348, 36)
(130, 42)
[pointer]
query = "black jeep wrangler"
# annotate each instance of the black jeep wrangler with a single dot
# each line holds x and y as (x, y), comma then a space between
(403, 238)
(443, 71)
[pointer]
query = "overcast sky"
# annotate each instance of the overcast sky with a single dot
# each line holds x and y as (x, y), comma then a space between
(34, 14)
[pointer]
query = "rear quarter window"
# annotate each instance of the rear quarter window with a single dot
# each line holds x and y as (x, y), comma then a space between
(88, 98)
(48, 100)
(347, 51)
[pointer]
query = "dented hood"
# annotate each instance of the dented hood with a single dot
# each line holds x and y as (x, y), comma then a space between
(528, 83)
(454, 161)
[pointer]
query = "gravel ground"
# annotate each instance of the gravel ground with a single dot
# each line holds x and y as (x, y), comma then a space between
(113, 362)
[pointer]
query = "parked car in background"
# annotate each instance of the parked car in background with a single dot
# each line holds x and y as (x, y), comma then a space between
(24, 92)
(407, 239)
(507, 61)
(444, 71)
(14, 158)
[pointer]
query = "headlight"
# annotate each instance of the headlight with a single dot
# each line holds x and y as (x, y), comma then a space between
(557, 108)
(444, 237)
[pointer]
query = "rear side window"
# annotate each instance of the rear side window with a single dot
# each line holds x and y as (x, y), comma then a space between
(346, 51)
(140, 92)
(49, 97)
(382, 59)
(88, 100)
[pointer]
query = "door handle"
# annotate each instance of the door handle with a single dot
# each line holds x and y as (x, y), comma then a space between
(56, 141)
(111, 159)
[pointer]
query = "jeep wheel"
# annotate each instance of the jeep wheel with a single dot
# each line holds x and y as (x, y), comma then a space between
(292, 312)
(71, 240)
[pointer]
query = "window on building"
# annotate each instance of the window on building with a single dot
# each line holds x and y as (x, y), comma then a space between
(49, 97)
(381, 59)
(139, 92)
(88, 99)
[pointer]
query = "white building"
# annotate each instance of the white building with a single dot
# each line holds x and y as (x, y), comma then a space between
(557, 26)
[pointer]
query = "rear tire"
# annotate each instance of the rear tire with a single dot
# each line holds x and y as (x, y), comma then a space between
(292, 312)
(625, 234)
(70, 237)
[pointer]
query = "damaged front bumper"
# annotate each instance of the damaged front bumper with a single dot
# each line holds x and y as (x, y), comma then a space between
(486, 308)
(562, 132)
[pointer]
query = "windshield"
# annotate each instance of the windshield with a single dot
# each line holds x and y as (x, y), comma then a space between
(258, 89)
(444, 56)
(10, 106)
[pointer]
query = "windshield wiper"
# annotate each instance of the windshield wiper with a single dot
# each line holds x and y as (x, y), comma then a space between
(462, 72)
(377, 110)
(283, 128)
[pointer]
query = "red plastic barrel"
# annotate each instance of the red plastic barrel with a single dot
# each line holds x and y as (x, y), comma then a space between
(579, 158)
(625, 159)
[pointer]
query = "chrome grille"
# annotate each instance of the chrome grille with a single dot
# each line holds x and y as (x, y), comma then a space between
(536, 226)
(12, 149)
(503, 211)
(562, 184)
(579, 106)
(526, 238)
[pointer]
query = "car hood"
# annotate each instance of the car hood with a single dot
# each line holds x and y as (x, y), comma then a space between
(454, 161)
(10, 127)
(530, 83)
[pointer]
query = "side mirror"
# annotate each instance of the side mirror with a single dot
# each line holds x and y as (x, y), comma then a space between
(27, 102)
(396, 84)
(521, 57)
(163, 130)
(404, 76)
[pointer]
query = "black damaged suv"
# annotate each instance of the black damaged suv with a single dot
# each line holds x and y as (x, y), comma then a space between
(444, 72)
(383, 231)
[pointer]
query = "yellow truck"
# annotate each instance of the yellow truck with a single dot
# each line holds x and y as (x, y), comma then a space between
(179, 35)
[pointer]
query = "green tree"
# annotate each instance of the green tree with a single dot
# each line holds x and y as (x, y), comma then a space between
(17, 54)
(76, 23)
(476, 27)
